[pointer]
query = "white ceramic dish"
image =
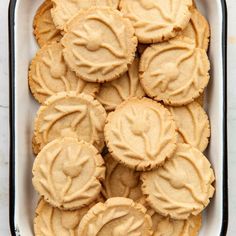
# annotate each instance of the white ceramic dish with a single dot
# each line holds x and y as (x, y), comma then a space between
(23, 108)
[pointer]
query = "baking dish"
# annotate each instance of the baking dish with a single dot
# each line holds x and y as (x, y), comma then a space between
(23, 108)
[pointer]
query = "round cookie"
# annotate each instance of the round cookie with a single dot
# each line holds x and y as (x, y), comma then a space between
(165, 226)
(174, 72)
(182, 187)
(120, 181)
(50, 220)
(44, 28)
(198, 29)
(115, 92)
(117, 216)
(157, 20)
(49, 75)
(68, 114)
(67, 173)
(64, 10)
(141, 134)
(192, 124)
(99, 44)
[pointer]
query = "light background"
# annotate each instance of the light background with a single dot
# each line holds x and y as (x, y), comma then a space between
(4, 117)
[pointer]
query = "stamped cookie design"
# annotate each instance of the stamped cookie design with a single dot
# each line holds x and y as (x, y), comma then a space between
(44, 28)
(192, 124)
(67, 173)
(157, 20)
(68, 114)
(141, 134)
(165, 226)
(115, 217)
(174, 72)
(115, 92)
(120, 181)
(198, 29)
(64, 10)
(49, 75)
(99, 44)
(182, 187)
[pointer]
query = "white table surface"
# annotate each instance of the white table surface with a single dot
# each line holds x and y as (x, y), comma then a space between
(4, 128)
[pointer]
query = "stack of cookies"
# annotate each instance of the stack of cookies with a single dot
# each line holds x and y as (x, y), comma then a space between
(121, 129)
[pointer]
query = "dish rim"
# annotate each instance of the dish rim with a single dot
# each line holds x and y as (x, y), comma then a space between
(11, 33)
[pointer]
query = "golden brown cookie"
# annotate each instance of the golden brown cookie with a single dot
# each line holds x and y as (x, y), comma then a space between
(182, 187)
(192, 124)
(174, 72)
(49, 75)
(198, 29)
(141, 134)
(115, 217)
(51, 221)
(157, 20)
(67, 173)
(70, 115)
(64, 10)
(120, 181)
(115, 92)
(44, 28)
(167, 227)
(99, 44)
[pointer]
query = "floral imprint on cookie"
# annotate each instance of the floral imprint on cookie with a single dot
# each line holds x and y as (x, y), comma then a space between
(182, 187)
(174, 72)
(99, 44)
(67, 173)
(116, 217)
(140, 134)
(115, 92)
(70, 115)
(120, 181)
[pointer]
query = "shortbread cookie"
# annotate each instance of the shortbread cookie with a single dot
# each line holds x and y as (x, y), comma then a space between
(198, 29)
(51, 221)
(157, 20)
(115, 92)
(99, 44)
(115, 217)
(67, 173)
(141, 134)
(64, 10)
(165, 226)
(182, 187)
(70, 115)
(44, 28)
(174, 72)
(49, 75)
(192, 124)
(120, 181)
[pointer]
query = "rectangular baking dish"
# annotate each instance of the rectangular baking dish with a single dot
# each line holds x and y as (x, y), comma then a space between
(23, 109)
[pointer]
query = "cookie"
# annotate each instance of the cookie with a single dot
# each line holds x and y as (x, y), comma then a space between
(120, 181)
(117, 216)
(44, 28)
(50, 220)
(182, 187)
(141, 134)
(67, 173)
(174, 72)
(99, 44)
(165, 226)
(64, 10)
(157, 20)
(198, 29)
(192, 124)
(49, 75)
(115, 92)
(70, 115)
